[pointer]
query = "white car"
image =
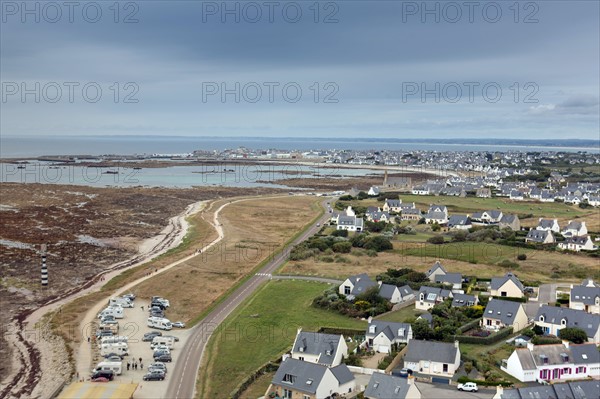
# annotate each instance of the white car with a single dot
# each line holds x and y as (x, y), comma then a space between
(468, 386)
(179, 324)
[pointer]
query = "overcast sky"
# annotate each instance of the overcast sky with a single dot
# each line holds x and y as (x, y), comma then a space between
(370, 60)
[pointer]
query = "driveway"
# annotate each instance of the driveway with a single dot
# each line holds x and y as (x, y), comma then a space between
(439, 391)
(546, 295)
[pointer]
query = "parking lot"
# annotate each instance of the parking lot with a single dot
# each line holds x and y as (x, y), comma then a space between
(134, 326)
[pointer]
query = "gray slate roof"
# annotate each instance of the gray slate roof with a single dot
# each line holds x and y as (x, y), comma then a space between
(383, 386)
(441, 352)
(538, 235)
(390, 329)
(392, 203)
(460, 300)
(302, 372)
(387, 290)
(313, 343)
(437, 265)
(362, 282)
(505, 311)
(498, 282)
(459, 220)
(450, 278)
(342, 373)
(586, 295)
(546, 223)
(405, 290)
(574, 318)
(508, 218)
(429, 293)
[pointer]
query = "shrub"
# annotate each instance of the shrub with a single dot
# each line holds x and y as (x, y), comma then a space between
(436, 240)
(541, 340)
(435, 227)
(339, 233)
(362, 195)
(353, 360)
(343, 247)
(573, 334)
(378, 244)
(346, 198)
(507, 264)
(522, 257)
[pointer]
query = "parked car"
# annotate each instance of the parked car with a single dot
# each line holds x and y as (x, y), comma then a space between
(158, 366)
(103, 376)
(163, 358)
(468, 386)
(179, 324)
(405, 372)
(160, 353)
(149, 336)
(160, 348)
(104, 333)
(155, 375)
(130, 296)
(157, 314)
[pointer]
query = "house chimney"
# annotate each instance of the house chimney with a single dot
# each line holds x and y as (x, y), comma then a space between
(379, 282)
(299, 331)
(565, 343)
(456, 344)
(530, 345)
(369, 319)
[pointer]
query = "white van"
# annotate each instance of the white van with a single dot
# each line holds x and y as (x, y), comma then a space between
(124, 302)
(115, 367)
(166, 341)
(114, 339)
(160, 323)
(120, 348)
(117, 313)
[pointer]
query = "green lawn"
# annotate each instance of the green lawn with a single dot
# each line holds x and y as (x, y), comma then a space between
(262, 330)
(401, 315)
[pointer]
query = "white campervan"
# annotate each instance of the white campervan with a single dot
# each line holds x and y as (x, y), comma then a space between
(117, 313)
(124, 302)
(114, 339)
(160, 323)
(120, 348)
(115, 367)
(166, 341)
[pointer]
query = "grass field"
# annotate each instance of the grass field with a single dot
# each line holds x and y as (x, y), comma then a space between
(261, 331)
(401, 315)
(468, 258)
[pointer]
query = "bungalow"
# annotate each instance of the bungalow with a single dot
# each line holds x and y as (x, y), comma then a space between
(548, 225)
(461, 300)
(487, 217)
(436, 270)
(507, 286)
(378, 216)
(540, 237)
(499, 314)
(452, 279)
(391, 205)
(547, 196)
(381, 335)
(408, 205)
(411, 214)
(574, 389)
(577, 244)
(574, 228)
(572, 199)
(350, 223)
(384, 386)
(459, 222)
(428, 297)
(296, 379)
(356, 285)
(432, 358)
(390, 292)
(510, 221)
(427, 317)
(516, 195)
(406, 293)
(559, 362)
(586, 297)
(373, 191)
(552, 319)
(437, 214)
(325, 349)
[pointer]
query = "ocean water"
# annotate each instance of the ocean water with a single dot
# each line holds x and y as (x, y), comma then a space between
(19, 147)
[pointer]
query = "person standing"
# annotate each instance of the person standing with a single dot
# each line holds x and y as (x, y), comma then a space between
(128, 364)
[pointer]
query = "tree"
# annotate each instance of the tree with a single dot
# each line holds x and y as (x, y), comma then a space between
(435, 227)
(421, 330)
(362, 195)
(343, 247)
(340, 233)
(573, 334)
(378, 244)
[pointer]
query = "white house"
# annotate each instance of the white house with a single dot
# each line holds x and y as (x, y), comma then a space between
(553, 363)
(350, 223)
(575, 228)
(360, 283)
(552, 319)
(499, 314)
(437, 214)
(392, 205)
(428, 297)
(436, 270)
(373, 191)
(432, 358)
(384, 386)
(586, 297)
(487, 217)
(540, 237)
(297, 379)
(577, 243)
(548, 225)
(381, 335)
(460, 222)
(325, 349)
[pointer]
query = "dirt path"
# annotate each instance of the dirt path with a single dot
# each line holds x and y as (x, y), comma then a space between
(36, 375)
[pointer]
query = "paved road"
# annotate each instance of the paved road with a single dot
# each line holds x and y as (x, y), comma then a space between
(439, 391)
(182, 382)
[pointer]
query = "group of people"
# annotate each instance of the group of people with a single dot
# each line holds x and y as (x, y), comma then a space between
(134, 365)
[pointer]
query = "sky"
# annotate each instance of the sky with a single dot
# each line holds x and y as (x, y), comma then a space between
(390, 69)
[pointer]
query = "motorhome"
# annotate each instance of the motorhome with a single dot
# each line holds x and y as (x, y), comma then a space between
(166, 341)
(114, 339)
(120, 348)
(115, 367)
(124, 302)
(160, 323)
(109, 326)
(117, 313)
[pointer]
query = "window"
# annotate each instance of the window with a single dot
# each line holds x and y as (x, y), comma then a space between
(289, 378)
(503, 293)
(445, 368)
(542, 319)
(305, 397)
(372, 329)
(566, 370)
(488, 322)
(287, 394)
(580, 370)
(301, 358)
(346, 290)
(563, 322)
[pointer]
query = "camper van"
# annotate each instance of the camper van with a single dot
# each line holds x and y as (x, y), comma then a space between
(114, 339)
(117, 313)
(124, 302)
(166, 341)
(109, 326)
(120, 348)
(160, 323)
(115, 367)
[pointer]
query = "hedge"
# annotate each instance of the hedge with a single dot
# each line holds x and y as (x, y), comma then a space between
(464, 378)
(512, 299)
(466, 339)
(346, 332)
(266, 368)
(469, 325)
